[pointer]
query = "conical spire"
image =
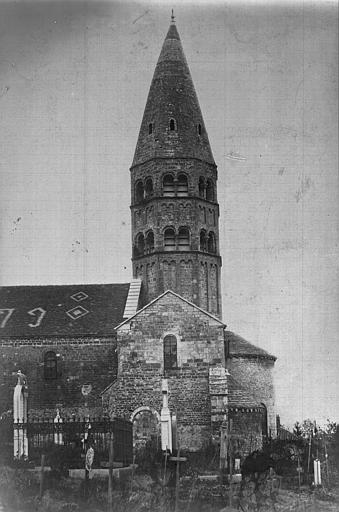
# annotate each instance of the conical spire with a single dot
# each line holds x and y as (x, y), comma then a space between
(172, 125)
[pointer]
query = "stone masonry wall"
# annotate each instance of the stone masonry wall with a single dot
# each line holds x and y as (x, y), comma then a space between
(80, 361)
(246, 432)
(154, 213)
(257, 374)
(200, 345)
(194, 276)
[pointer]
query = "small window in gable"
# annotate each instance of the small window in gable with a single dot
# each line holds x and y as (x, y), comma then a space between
(199, 129)
(150, 128)
(172, 125)
(50, 366)
(170, 352)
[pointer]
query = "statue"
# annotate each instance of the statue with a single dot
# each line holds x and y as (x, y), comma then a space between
(22, 379)
(20, 416)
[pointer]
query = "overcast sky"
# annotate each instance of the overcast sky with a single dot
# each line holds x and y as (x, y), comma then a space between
(74, 81)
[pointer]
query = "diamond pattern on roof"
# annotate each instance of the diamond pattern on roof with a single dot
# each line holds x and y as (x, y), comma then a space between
(77, 312)
(79, 296)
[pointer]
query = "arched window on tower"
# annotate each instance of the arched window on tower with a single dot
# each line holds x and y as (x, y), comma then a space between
(184, 239)
(182, 187)
(150, 128)
(199, 129)
(201, 187)
(168, 186)
(50, 366)
(149, 246)
(209, 190)
(139, 192)
(211, 245)
(149, 188)
(140, 245)
(172, 125)
(169, 239)
(203, 241)
(170, 352)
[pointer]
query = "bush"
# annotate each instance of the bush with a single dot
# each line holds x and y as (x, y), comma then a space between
(62, 458)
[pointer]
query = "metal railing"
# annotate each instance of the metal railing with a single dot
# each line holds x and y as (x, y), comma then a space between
(72, 436)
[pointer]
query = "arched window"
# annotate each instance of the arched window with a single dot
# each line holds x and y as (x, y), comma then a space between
(172, 125)
(211, 246)
(264, 426)
(203, 241)
(184, 239)
(50, 366)
(148, 188)
(209, 190)
(170, 352)
(202, 187)
(199, 129)
(150, 128)
(182, 188)
(169, 239)
(140, 244)
(168, 186)
(150, 242)
(139, 192)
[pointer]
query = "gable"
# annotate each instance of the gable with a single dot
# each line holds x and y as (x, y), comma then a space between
(170, 303)
(66, 310)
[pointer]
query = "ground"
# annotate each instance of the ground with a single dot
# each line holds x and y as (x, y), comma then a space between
(19, 492)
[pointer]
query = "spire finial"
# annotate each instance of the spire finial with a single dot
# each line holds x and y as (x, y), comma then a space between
(172, 17)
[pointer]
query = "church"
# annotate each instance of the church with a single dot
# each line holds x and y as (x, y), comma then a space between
(117, 348)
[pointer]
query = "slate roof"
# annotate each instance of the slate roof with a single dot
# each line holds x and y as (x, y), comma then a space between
(65, 310)
(239, 397)
(172, 96)
(239, 347)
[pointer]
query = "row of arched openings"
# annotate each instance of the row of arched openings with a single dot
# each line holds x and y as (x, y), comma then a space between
(143, 245)
(206, 189)
(174, 241)
(143, 191)
(173, 187)
(173, 127)
(208, 242)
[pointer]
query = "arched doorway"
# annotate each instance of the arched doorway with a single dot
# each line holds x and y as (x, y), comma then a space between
(146, 427)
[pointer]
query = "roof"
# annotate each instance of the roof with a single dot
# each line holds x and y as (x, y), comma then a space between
(179, 297)
(172, 96)
(66, 310)
(239, 347)
(239, 397)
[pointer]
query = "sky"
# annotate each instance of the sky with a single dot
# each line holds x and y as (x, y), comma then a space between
(74, 77)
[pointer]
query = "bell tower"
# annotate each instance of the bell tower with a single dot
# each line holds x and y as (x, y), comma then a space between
(175, 214)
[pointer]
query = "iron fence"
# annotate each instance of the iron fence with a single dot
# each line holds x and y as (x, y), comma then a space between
(68, 439)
